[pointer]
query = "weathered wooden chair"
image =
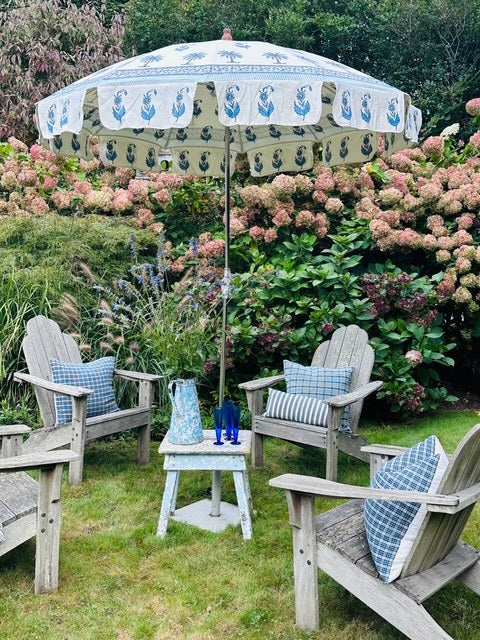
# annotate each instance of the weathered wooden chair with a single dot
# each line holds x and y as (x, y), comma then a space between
(29, 508)
(348, 347)
(336, 542)
(44, 340)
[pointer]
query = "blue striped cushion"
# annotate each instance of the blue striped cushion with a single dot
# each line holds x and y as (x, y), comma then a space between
(392, 527)
(317, 382)
(288, 406)
(97, 375)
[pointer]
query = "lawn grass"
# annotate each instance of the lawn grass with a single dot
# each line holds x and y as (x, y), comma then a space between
(118, 581)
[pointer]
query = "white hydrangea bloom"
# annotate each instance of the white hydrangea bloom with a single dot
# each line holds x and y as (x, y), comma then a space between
(452, 130)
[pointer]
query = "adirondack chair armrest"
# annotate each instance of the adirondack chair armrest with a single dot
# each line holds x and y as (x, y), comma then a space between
(261, 383)
(14, 430)
(137, 375)
(320, 487)
(60, 389)
(466, 497)
(37, 460)
(359, 394)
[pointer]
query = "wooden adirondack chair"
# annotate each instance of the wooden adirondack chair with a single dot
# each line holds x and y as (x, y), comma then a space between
(29, 508)
(44, 340)
(348, 347)
(335, 542)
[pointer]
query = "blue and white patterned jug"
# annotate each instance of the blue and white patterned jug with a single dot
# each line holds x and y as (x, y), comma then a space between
(186, 423)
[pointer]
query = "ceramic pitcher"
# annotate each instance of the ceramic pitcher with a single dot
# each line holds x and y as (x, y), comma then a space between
(186, 423)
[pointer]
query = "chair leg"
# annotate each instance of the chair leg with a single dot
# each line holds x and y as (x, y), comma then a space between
(257, 450)
(145, 399)
(471, 578)
(77, 445)
(255, 405)
(49, 516)
(301, 509)
(334, 421)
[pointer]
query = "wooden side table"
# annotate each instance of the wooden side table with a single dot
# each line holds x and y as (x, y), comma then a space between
(212, 515)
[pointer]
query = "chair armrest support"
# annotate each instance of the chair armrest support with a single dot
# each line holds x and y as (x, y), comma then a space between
(387, 450)
(14, 430)
(466, 498)
(327, 488)
(349, 398)
(61, 389)
(261, 383)
(137, 375)
(37, 460)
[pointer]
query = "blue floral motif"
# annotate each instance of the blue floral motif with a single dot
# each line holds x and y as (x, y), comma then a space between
(110, 152)
(137, 132)
(51, 116)
(392, 112)
(274, 132)
(150, 159)
(250, 135)
(211, 88)
(257, 162)
(317, 128)
(331, 120)
(365, 112)
(344, 147)
(298, 131)
(265, 105)
(346, 105)
(146, 60)
(326, 100)
(300, 157)
(181, 135)
(178, 107)
(57, 142)
(191, 57)
(206, 134)
(88, 114)
(183, 162)
(148, 110)
(366, 147)
(159, 134)
(64, 118)
(328, 151)
(182, 47)
(230, 105)
(130, 155)
(301, 105)
(118, 108)
(276, 57)
(277, 159)
(197, 108)
(203, 163)
(75, 143)
(231, 55)
(242, 45)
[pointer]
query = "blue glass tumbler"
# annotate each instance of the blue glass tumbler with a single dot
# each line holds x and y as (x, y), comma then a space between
(218, 414)
(237, 414)
(228, 409)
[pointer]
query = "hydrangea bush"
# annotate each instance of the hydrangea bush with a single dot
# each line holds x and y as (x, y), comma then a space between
(392, 245)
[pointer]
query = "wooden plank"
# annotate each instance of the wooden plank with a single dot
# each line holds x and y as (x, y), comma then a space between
(471, 578)
(390, 603)
(422, 586)
(207, 462)
(6, 514)
(352, 445)
(60, 389)
(19, 493)
(47, 439)
(384, 450)
(466, 498)
(19, 531)
(255, 404)
(99, 426)
(49, 520)
(36, 460)
(336, 342)
(14, 430)
(321, 487)
(320, 354)
(261, 383)
(145, 400)
(206, 447)
(302, 514)
(137, 375)
(11, 446)
(352, 397)
(77, 444)
(292, 431)
(338, 515)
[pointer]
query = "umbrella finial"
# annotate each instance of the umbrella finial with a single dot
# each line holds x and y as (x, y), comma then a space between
(227, 34)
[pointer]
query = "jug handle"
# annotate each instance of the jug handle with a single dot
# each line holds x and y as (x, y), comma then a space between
(171, 392)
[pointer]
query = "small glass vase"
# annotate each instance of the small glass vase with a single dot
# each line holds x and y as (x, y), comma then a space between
(218, 415)
(228, 407)
(237, 415)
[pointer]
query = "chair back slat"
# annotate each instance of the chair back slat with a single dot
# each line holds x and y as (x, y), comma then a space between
(441, 531)
(44, 340)
(348, 347)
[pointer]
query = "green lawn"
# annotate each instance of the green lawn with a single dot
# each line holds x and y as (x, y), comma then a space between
(118, 581)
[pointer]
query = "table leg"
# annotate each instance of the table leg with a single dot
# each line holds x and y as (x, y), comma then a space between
(175, 494)
(241, 487)
(248, 491)
(168, 497)
(216, 493)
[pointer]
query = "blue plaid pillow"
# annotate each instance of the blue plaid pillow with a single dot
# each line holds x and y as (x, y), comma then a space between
(97, 375)
(289, 406)
(392, 527)
(320, 383)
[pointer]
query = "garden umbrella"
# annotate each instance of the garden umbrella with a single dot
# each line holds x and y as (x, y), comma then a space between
(208, 101)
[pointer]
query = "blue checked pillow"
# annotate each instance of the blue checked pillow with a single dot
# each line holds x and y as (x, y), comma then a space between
(97, 375)
(392, 527)
(320, 383)
(289, 406)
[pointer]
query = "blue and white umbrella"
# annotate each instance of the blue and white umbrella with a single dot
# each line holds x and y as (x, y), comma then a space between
(208, 101)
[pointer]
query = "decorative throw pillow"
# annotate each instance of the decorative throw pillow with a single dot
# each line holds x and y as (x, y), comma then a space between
(392, 527)
(97, 375)
(320, 383)
(289, 406)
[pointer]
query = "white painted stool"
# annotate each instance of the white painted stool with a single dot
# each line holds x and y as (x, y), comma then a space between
(212, 515)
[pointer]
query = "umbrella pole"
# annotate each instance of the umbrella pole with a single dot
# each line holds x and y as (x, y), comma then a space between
(226, 283)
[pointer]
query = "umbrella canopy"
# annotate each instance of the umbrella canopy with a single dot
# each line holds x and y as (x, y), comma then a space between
(208, 101)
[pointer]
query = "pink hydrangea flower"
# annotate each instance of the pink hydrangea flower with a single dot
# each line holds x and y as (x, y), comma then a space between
(98, 200)
(304, 186)
(473, 107)
(270, 235)
(462, 237)
(251, 195)
(431, 191)
(443, 256)
(256, 232)
(305, 219)
(17, 145)
(162, 197)
(283, 185)
(144, 217)
(9, 180)
(475, 141)
(212, 249)
(390, 196)
(445, 242)
(121, 201)
(414, 357)
(62, 199)
(237, 227)
(429, 242)
(334, 205)
(138, 190)
(463, 265)
(38, 206)
(434, 146)
(325, 181)
(380, 228)
(27, 177)
(82, 187)
(462, 295)
(281, 218)
(319, 197)
(50, 183)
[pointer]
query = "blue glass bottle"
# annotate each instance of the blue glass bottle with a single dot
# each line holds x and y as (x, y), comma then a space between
(218, 415)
